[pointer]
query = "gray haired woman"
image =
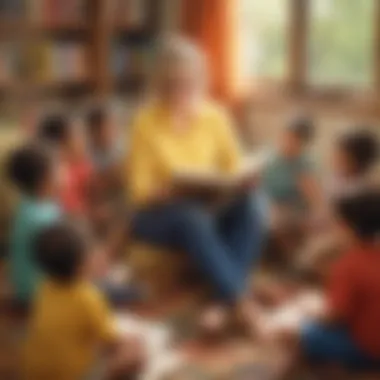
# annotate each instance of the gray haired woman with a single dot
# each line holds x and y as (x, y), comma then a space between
(182, 129)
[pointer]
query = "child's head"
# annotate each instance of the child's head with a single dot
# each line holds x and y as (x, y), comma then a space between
(100, 127)
(297, 136)
(359, 216)
(355, 153)
(60, 251)
(62, 133)
(32, 169)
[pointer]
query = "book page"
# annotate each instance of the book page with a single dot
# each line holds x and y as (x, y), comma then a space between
(220, 182)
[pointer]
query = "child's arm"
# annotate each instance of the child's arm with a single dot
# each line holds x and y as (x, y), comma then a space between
(313, 194)
(125, 354)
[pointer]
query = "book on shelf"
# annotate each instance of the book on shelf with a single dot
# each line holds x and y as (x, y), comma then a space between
(58, 12)
(12, 9)
(129, 61)
(59, 62)
(10, 59)
(132, 14)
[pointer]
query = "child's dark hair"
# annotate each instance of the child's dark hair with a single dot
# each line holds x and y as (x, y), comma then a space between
(54, 129)
(362, 147)
(96, 119)
(28, 166)
(59, 251)
(362, 213)
(304, 128)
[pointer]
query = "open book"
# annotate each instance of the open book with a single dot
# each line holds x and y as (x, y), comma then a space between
(161, 359)
(210, 184)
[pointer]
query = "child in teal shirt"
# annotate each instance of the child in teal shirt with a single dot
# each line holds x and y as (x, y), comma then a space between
(32, 170)
(292, 191)
(285, 176)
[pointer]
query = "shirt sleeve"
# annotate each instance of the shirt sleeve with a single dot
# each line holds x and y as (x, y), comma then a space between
(230, 155)
(100, 317)
(306, 166)
(141, 178)
(46, 216)
(341, 289)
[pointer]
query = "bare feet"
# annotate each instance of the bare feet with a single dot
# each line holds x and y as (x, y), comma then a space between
(244, 317)
(213, 322)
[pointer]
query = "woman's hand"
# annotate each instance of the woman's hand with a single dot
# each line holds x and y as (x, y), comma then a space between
(162, 195)
(249, 182)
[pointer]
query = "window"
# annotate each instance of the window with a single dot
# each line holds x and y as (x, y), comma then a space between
(341, 43)
(330, 43)
(263, 38)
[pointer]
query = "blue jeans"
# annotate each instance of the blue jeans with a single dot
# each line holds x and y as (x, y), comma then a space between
(223, 245)
(334, 345)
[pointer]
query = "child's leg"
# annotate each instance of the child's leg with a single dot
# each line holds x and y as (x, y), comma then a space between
(332, 345)
(287, 232)
(318, 254)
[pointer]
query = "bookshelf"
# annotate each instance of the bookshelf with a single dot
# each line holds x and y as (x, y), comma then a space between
(75, 48)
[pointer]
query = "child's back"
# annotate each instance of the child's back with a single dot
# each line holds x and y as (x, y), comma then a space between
(68, 325)
(355, 295)
(31, 217)
(32, 170)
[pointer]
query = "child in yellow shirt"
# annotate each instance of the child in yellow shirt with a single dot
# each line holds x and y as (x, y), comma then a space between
(71, 324)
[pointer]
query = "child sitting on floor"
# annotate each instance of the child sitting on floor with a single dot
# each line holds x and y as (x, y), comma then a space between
(67, 138)
(289, 183)
(354, 157)
(71, 323)
(106, 149)
(33, 171)
(105, 144)
(286, 179)
(345, 331)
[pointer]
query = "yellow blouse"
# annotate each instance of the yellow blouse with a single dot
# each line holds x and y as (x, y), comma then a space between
(158, 149)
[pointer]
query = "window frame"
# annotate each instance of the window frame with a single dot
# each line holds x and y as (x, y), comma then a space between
(296, 85)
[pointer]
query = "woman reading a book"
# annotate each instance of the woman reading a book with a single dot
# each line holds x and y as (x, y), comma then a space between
(184, 155)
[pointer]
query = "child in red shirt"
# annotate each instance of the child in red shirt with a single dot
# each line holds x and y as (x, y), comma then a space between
(67, 138)
(348, 331)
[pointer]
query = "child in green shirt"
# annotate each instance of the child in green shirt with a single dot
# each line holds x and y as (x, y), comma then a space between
(32, 170)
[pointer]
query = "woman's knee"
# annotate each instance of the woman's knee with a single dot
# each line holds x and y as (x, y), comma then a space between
(192, 217)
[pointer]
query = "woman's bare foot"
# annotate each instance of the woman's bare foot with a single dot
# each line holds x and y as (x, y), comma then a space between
(271, 293)
(244, 317)
(213, 322)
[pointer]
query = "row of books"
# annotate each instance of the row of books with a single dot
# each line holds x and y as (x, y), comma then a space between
(126, 13)
(45, 11)
(12, 9)
(52, 62)
(128, 61)
(67, 61)
(52, 12)
(131, 13)
(9, 62)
